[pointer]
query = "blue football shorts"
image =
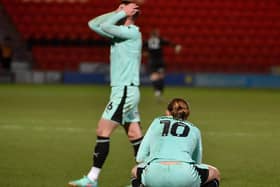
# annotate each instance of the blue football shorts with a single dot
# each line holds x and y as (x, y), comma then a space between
(178, 175)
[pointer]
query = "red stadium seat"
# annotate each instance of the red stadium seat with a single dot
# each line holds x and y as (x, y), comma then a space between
(217, 35)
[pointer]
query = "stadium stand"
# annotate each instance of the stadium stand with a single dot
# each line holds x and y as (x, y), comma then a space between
(233, 36)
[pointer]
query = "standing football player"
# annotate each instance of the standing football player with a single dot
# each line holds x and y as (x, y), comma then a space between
(171, 153)
(122, 108)
(156, 65)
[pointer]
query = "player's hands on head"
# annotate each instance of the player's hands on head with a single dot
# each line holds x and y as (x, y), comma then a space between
(120, 7)
(131, 9)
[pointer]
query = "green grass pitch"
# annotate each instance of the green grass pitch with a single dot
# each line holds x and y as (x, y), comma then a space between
(47, 133)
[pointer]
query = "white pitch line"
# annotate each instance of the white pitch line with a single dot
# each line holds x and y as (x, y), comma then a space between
(238, 134)
(120, 130)
(38, 128)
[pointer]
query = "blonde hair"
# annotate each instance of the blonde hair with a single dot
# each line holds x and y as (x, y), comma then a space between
(179, 108)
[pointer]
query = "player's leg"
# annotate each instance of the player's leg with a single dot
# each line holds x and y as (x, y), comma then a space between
(160, 82)
(210, 176)
(111, 117)
(102, 146)
(136, 173)
(154, 77)
(134, 134)
(155, 66)
(157, 78)
(153, 71)
(132, 124)
(132, 118)
(214, 178)
(101, 151)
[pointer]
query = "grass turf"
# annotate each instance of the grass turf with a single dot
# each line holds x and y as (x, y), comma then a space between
(47, 134)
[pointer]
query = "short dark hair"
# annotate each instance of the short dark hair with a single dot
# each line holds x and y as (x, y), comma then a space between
(126, 2)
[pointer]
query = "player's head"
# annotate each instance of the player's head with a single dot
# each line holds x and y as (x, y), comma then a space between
(138, 2)
(155, 32)
(127, 2)
(178, 108)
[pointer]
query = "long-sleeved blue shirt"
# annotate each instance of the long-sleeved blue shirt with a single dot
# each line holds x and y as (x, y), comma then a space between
(171, 140)
(126, 47)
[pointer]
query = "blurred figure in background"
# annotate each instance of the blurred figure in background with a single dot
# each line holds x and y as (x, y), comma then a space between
(153, 48)
(6, 54)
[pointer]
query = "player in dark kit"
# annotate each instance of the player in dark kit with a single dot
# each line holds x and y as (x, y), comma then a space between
(154, 49)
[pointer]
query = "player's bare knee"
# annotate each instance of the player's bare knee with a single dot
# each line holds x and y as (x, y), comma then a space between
(214, 173)
(98, 131)
(103, 132)
(131, 135)
(105, 128)
(134, 132)
(217, 174)
(134, 171)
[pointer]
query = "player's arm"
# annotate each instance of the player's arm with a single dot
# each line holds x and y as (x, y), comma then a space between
(177, 47)
(122, 32)
(111, 28)
(197, 154)
(144, 149)
(95, 24)
(164, 41)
